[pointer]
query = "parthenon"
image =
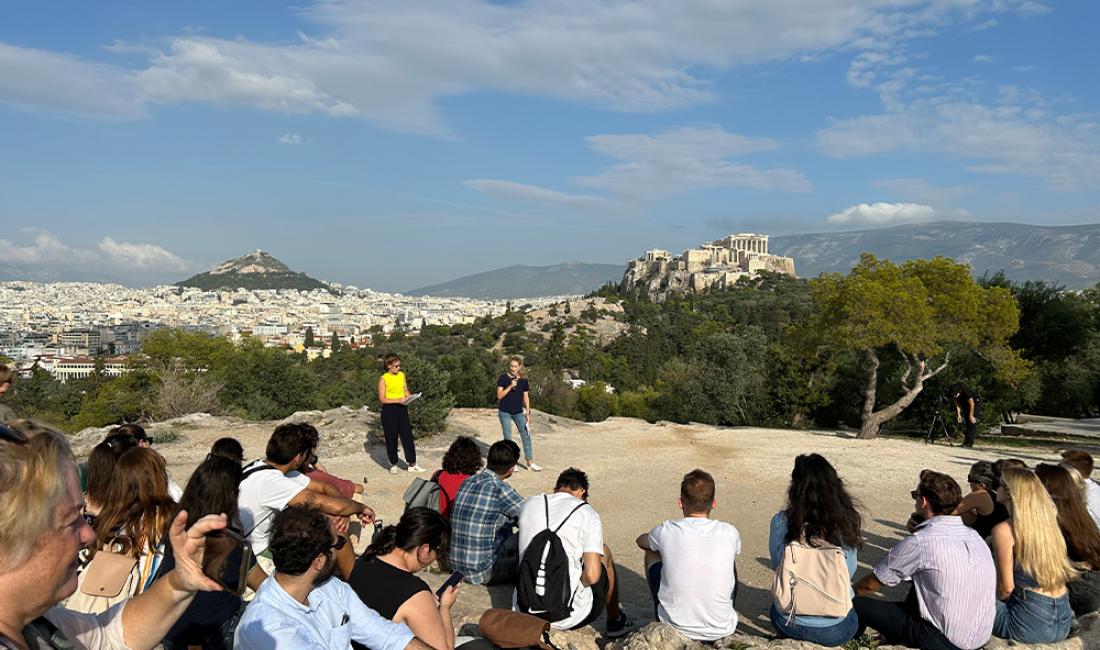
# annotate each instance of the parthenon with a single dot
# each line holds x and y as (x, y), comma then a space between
(719, 263)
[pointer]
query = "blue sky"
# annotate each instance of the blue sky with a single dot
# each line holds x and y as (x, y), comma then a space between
(393, 144)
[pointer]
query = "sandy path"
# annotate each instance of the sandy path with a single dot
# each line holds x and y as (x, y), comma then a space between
(635, 470)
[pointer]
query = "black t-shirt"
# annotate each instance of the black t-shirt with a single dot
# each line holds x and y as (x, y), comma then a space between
(983, 524)
(383, 587)
(204, 617)
(513, 401)
(963, 402)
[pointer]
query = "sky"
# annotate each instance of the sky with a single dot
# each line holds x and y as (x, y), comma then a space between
(397, 143)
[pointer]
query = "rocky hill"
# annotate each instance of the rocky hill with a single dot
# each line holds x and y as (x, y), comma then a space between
(1068, 255)
(568, 279)
(256, 270)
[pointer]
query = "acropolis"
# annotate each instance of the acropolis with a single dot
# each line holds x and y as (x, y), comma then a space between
(719, 264)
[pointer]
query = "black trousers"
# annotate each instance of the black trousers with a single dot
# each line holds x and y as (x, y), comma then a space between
(971, 430)
(395, 424)
(900, 623)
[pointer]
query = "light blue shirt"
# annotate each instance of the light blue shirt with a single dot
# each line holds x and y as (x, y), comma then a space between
(335, 616)
(775, 545)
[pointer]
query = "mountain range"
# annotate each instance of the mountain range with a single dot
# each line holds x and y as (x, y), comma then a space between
(1065, 255)
(570, 278)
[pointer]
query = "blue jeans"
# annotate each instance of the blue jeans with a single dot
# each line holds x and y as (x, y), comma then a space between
(1031, 617)
(831, 635)
(506, 420)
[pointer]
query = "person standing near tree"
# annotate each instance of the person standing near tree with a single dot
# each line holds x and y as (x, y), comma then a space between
(514, 405)
(393, 394)
(966, 411)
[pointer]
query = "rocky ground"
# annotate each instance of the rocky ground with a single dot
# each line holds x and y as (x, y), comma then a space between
(635, 469)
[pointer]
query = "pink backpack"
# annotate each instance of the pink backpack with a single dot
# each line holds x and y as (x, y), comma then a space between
(812, 581)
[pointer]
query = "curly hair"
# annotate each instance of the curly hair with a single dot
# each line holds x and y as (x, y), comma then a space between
(298, 535)
(463, 457)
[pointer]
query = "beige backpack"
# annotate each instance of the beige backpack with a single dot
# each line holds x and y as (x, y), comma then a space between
(812, 581)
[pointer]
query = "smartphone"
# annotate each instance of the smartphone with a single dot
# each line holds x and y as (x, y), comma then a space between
(227, 559)
(455, 578)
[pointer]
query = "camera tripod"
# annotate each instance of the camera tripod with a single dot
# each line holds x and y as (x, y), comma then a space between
(937, 421)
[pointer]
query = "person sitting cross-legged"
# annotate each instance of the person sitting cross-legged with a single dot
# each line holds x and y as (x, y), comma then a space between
(591, 568)
(690, 565)
(483, 540)
(951, 602)
(302, 606)
(821, 514)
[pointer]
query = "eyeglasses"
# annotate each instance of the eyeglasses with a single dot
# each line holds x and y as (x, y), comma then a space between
(11, 435)
(916, 494)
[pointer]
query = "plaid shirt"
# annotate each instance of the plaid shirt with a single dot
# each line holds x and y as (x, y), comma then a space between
(481, 518)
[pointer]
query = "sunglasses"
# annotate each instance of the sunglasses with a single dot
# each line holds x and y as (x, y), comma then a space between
(339, 544)
(916, 494)
(11, 435)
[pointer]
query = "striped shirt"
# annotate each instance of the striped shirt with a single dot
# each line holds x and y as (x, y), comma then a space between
(481, 518)
(953, 574)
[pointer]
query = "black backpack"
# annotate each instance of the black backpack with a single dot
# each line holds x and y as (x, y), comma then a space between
(543, 588)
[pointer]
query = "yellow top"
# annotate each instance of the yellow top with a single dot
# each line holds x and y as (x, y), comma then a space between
(395, 385)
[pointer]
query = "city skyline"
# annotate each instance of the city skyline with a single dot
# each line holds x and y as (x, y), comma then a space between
(397, 144)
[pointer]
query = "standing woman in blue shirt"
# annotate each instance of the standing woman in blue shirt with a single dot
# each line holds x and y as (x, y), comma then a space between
(393, 394)
(515, 406)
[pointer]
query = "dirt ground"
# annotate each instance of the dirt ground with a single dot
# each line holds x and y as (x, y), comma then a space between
(635, 469)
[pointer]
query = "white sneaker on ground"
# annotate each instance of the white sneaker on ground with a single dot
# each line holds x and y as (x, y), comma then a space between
(416, 468)
(534, 467)
(393, 469)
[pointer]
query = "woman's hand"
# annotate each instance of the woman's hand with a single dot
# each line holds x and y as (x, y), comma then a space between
(189, 546)
(449, 598)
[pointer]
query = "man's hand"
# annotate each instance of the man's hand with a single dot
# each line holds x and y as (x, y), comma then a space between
(188, 547)
(340, 524)
(366, 517)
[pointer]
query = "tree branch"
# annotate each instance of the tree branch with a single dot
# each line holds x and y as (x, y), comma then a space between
(908, 371)
(946, 360)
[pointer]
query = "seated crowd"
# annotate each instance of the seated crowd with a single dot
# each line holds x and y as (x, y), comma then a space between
(109, 554)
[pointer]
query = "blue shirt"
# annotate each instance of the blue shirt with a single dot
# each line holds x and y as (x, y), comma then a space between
(513, 401)
(334, 617)
(481, 518)
(776, 535)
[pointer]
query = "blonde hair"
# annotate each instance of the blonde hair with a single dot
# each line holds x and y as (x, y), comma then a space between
(32, 483)
(1040, 549)
(522, 373)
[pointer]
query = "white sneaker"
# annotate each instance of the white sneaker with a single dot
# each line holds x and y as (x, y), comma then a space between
(416, 468)
(534, 467)
(393, 469)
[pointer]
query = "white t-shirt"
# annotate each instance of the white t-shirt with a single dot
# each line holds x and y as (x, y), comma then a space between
(1092, 499)
(583, 533)
(263, 494)
(698, 577)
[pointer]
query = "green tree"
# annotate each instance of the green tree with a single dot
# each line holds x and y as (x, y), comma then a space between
(924, 311)
(334, 343)
(594, 403)
(309, 342)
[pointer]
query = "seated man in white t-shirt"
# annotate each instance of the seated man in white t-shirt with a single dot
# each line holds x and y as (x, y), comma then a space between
(591, 566)
(690, 565)
(275, 482)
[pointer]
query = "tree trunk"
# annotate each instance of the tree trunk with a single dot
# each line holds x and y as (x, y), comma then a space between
(867, 429)
(872, 421)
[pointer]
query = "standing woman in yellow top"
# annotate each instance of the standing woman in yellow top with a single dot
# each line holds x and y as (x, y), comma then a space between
(394, 393)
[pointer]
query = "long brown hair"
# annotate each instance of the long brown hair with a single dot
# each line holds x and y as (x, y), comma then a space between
(1078, 528)
(137, 505)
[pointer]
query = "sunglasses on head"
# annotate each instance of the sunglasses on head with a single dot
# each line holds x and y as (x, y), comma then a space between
(11, 435)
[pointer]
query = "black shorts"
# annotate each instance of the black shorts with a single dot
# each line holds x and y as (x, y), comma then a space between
(599, 599)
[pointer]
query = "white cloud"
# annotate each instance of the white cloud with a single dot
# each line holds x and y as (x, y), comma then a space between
(509, 191)
(52, 82)
(290, 138)
(389, 61)
(654, 167)
(983, 58)
(883, 214)
(47, 249)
